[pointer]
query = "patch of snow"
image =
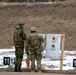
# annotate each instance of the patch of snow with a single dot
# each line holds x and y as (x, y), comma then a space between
(47, 63)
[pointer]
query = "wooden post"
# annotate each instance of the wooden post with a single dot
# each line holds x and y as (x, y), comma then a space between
(45, 42)
(62, 50)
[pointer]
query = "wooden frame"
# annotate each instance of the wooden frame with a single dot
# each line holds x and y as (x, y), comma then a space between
(62, 49)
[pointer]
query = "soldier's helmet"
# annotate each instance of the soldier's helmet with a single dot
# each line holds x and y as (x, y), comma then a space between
(21, 22)
(33, 29)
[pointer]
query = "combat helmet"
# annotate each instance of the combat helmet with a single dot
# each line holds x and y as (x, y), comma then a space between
(33, 29)
(21, 22)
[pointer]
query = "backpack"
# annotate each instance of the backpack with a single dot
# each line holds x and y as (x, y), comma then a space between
(16, 39)
(17, 36)
(18, 42)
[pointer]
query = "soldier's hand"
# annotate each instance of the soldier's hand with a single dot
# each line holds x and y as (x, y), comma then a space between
(27, 53)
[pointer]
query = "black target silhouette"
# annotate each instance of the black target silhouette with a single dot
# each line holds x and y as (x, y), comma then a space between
(53, 38)
(53, 45)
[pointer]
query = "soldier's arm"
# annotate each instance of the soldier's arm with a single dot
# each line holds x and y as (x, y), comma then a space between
(14, 39)
(27, 47)
(41, 39)
(22, 34)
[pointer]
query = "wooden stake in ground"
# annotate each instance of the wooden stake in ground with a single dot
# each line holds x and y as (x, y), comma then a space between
(62, 50)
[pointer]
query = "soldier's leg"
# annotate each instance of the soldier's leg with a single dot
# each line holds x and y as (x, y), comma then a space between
(19, 66)
(38, 58)
(32, 58)
(21, 50)
(16, 59)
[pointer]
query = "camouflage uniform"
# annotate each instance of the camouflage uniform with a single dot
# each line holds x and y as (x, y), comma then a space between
(34, 47)
(19, 37)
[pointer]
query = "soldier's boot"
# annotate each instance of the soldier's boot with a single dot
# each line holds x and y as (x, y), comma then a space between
(32, 69)
(19, 69)
(36, 70)
(15, 69)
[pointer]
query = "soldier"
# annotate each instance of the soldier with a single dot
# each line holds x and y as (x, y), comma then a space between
(19, 37)
(34, 48)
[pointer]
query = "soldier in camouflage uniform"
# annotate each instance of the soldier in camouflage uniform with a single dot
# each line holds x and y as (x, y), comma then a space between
(34, 48)
(19, 37)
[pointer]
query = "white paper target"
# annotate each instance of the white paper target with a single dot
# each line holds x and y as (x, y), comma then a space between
(53, 42)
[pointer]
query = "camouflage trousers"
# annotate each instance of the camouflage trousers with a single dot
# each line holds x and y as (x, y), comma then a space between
(35, 56)
(19, 56)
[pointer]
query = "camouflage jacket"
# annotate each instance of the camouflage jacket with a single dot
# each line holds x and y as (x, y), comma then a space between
(19, 37)
(34, 41)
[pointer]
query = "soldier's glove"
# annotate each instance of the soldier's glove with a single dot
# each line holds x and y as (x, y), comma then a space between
(27, 53)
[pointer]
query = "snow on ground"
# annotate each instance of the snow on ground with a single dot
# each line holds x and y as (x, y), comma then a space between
(47, 63)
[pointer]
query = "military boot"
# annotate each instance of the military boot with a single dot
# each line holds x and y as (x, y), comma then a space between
(32, 69)
(19, 69)
(36, 70)
(15, 69)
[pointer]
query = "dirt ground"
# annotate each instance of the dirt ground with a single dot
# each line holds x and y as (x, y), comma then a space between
(30, 73)
(54, 18)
